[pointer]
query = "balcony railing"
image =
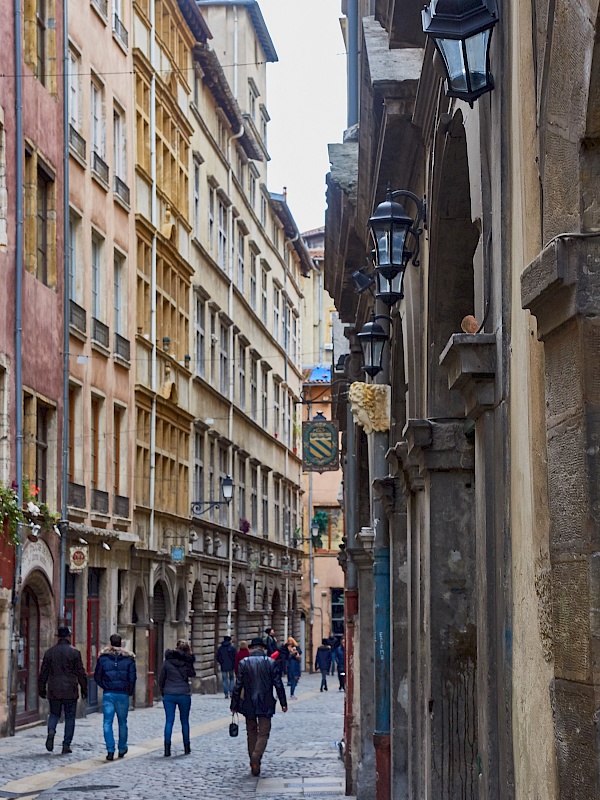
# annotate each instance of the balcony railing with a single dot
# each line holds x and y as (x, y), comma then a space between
(100, 167)
(102, 6)
(122, 347)
(77, 316)
(100, 501)
(77, 142)
(76, 495)
(120, 30)
(120, 506)
(121, 189)
(100, 332)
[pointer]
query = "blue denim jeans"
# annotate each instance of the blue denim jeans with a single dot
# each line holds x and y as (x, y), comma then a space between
(183, 702)
(228, 681)
(115, 703)
(293, 684)
(70, 708)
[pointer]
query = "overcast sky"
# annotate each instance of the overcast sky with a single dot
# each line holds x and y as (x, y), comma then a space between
(306, 98)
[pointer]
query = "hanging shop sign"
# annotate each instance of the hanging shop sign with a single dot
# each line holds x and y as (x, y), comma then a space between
(177, 554)
(78, 558)
(320, 446)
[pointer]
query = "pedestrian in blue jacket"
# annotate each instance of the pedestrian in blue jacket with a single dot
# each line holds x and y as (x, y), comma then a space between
(226, 659)
(115, 674)
(323, 662)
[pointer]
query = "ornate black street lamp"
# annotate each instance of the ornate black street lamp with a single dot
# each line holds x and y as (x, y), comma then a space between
(396, 242)
(201, 507)
(372, 338)
(462, 31)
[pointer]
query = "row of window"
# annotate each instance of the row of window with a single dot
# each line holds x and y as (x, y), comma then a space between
(236, 372)
(267, 506)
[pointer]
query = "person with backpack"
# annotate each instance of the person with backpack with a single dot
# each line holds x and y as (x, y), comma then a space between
(226, 660)
(174, 683)
(115, 674)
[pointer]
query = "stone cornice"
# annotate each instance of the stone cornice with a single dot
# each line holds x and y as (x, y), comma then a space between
(470, 359)
(439, 446)
(563, 281)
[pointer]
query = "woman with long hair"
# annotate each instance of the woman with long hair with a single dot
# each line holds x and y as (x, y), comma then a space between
(174, 683)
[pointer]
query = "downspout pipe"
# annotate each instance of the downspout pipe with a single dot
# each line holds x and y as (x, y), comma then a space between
(382, 597)
(63, 524)
(12, 682)
(154, 220)
(352, 62)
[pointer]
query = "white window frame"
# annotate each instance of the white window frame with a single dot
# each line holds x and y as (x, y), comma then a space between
(200, 334)
(242, 374)
(97, 131)
(96, 277)
(120, 294)
(241, 271)
(120, 144)
(222, 234)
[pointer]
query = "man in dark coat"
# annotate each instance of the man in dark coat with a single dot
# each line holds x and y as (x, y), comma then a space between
(323, 662)
(226, 660)
(270, 641)
(115, 674)
(257, 676)
(61, 675)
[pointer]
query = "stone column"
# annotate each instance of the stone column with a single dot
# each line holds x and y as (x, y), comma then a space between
(447, 642)
(562, 290)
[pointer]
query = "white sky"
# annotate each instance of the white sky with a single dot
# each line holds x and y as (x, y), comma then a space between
(306, 98)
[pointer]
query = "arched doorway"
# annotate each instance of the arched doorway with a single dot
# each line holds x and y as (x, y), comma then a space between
(29, 658)
(203, 659)
(160, 615)
(267, 622)
(181, 614)
(220, 621)
(277, 616)
(241, 615)
(139, 641)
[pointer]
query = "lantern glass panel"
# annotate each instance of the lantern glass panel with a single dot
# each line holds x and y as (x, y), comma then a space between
(453, 55)
(390, 285)
(389, 238)
(476, 48)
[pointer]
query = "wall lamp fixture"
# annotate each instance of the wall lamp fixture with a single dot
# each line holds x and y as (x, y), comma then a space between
(462, 32)
(200, 507)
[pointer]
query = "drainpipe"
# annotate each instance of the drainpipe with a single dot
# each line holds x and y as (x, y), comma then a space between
(12, 682)
(231, 249)
(63, 524)
(351, 592)
(154, 221)
(381, 576)
(352, 62)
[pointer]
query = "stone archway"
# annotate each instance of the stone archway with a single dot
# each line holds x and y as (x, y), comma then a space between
(139, 645)
(277, 615)
(161, 614)
(242, 628)
(37, 634)
(220, 621)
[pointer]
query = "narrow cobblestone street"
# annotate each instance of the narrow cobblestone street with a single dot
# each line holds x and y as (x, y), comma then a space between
(302, 758)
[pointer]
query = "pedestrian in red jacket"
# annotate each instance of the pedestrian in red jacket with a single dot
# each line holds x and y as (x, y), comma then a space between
(243, 652)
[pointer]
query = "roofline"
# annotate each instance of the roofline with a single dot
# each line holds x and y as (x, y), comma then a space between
(195, 20)
(258, 21)
(282, 210)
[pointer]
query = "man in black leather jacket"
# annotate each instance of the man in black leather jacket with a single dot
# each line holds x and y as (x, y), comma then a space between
(253, 697)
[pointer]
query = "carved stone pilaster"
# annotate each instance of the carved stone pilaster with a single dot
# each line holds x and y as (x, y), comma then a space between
(470, 359)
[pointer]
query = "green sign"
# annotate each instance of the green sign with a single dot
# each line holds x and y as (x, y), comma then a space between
(320, 446)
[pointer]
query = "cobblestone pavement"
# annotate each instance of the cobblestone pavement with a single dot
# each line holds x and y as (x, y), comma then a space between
(301, 759)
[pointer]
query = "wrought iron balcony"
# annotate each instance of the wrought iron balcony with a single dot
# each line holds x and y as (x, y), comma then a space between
(76, 495)
(120, 30)
(100, 332)
(77, 142)
(122, 347)
(100, 167)
(120, 506)
(77, 316)
(121, 189)
(102, 6)
(100, 501)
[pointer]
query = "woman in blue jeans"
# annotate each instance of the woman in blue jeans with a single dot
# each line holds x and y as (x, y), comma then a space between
(174, 683)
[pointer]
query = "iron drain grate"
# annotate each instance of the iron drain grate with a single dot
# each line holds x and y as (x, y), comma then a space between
(95, 787)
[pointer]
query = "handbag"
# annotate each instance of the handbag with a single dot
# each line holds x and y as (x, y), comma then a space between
(234, 727)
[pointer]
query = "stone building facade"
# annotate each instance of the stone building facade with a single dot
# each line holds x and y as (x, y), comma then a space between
(489, 478)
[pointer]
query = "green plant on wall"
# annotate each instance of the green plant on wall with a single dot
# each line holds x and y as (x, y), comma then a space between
(321, 518)
(11, 511)
(32, 511)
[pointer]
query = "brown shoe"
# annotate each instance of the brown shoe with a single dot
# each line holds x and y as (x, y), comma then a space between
(255, 767)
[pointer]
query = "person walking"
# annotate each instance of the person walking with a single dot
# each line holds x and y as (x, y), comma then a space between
(270, 641)
(257, 676)
(293, 666)
(241, 654)
(323, 662)
(339, 655)
(333, 643)
(115, 674)
(61, 676)
(174, 683)
(226, 659)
